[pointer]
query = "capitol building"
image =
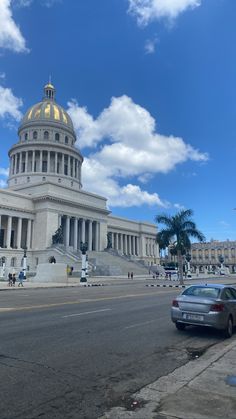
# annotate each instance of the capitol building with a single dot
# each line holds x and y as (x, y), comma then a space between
(45, 195)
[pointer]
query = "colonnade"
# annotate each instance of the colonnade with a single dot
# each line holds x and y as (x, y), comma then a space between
(45, 161)
(77, 230)
(129, 244)
(15, 232)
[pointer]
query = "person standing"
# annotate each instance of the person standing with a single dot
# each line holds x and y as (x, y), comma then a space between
(21, 277)
(128, 275)
(132, 275)
(10, 279)
(14, 279)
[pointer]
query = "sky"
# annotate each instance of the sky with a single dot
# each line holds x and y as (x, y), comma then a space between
(151, 88)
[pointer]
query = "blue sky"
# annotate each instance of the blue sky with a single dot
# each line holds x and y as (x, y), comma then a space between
(151, 88)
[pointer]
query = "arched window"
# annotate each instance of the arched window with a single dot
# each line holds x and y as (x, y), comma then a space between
(66, 140)
(46, 135)
(26, 136)
(57, 137)
(35, 135)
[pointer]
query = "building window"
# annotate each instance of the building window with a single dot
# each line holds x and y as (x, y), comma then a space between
(36, 261)
(28, 179)
(44, 166)
(13, 262)
(46, 135)
(57, 137)
(59, 180)
(66, 140)
(35, 135)
(26, 136)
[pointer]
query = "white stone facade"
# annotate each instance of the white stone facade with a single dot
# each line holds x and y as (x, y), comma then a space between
(45, 192)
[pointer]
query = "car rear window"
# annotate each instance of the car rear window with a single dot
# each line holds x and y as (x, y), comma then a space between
(202, 292)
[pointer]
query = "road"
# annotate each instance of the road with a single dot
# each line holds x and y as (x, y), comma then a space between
(76, 352)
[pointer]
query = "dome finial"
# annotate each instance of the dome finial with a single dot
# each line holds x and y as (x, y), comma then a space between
(49, 90)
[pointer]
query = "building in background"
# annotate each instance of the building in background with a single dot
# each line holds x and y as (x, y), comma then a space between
(205, 256)
(45, 194)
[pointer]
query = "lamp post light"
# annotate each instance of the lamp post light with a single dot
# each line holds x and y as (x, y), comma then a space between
(24, 263)
(83, 248)
(188, 258)
(221, 260)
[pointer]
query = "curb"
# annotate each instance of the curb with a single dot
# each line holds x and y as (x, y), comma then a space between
(166, 286)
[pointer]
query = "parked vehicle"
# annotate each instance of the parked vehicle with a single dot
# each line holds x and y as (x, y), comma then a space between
(212, 305)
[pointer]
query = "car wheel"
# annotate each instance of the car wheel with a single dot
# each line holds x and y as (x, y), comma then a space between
(180, 326)
(229, 328)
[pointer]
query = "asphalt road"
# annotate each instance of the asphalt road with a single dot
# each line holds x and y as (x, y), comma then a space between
(75, 352)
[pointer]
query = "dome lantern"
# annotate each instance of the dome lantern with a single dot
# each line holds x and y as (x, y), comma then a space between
(49, 91)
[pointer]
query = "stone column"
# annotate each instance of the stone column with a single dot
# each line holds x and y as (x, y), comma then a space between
(97, 237)
(0, 223)
(129, 244)
(133, 240)
(56, 159)
(138, 247)
(90, 235)
(48, 163)
(33, 160)
(69, 166)
(41, 161)
(116, 241)
(9, 226)
(121, 244)
(19, 232)
(124, 244)
(83, 230)
(20, 164)
(67, 231)
(26, 161)
(75, 234)
(73, 161)
(28, 239)
(63, 163)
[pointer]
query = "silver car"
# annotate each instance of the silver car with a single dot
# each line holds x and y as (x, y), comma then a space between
(212, 305)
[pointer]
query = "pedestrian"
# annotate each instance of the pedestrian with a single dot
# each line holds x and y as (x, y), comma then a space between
(131, 275)
(21, 277)
(14, 279)
(71, 270)
(128, 275)
(10, 279)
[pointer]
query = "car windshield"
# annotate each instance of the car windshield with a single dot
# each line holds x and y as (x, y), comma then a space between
(202, 292)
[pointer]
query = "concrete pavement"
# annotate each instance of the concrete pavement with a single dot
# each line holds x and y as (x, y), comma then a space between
(204, 388)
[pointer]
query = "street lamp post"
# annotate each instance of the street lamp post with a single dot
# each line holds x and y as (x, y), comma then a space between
(24, 263)
(83, 248)
(188, 258)
(221, 260)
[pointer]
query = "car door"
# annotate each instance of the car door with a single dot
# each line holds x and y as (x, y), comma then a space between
(229, 297)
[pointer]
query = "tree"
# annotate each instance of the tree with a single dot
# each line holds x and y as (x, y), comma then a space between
(179, 228)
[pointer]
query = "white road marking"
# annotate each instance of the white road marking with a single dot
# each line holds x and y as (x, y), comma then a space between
(86, 312)
(140, 324)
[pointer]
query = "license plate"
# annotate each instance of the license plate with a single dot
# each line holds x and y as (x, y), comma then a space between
(187, 316)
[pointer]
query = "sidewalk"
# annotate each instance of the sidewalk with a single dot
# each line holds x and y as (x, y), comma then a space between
(204, 388)
(111, 280)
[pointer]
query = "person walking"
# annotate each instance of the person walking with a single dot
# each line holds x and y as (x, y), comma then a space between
(14, 279)
(10, 279)
(128, 275)
(132, 275)
(21, 277)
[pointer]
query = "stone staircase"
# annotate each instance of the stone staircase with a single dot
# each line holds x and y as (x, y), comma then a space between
(110, 263)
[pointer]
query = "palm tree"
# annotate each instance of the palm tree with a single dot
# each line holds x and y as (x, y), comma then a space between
(179, 228)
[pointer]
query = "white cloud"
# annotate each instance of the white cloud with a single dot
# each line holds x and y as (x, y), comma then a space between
(9, 104)
(150, 46)
(3, 183)
(4, 172)
(132, 149)
(10, 35)
(148, 10)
